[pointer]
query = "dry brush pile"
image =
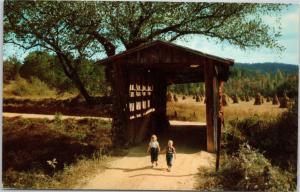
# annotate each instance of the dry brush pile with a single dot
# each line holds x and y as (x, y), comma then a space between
(258, 99)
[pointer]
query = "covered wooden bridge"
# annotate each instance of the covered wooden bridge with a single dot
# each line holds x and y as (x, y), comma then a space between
(139, 79)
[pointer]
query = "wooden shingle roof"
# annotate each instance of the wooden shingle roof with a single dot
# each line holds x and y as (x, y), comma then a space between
(163, 52)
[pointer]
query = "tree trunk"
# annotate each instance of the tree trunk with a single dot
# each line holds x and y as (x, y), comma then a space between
(71, 73)
(78, 83)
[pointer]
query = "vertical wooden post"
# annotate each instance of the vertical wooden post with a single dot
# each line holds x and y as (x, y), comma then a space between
(160, 103)
(211, 105)
(120, 111)
(220, 123)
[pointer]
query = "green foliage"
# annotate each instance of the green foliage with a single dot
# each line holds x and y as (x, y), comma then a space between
(248, 69)
(44, 66)
(81, 129)
(288, 86)
(249, 79)
(249, 170)
(32, 87)
(10, 69)
(245, 81)
(140, 22)
(93, 77)
(258, 155)
(77, 31)
(188, 89)
(276, 138)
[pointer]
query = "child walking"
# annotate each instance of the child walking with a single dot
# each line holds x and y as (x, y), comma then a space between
(154, 149)
(170, 153)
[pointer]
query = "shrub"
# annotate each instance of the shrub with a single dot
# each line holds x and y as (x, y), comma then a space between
(248, 169)
(34, 87)
(277, 138)
(10, 69)
(269, 164)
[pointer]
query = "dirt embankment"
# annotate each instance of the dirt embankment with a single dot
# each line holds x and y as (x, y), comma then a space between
(74, 106)
(29, 143)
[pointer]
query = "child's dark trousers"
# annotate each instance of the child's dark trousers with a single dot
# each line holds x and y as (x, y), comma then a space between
(169, 158)
(153, 154)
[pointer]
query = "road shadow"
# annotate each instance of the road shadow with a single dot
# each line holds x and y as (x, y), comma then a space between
(136, 169)
(187, 139)
(164, 175)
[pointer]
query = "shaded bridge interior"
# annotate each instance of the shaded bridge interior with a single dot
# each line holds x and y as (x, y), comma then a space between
(147, 107)
(140, 77)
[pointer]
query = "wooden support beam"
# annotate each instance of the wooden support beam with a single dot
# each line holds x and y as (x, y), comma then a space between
(120, 107)
(220, 123)
(160, 102)
(211, 105)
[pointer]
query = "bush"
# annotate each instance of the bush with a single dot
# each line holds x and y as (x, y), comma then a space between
(34, 87)
(248, 169)
(258, 154)
(10, 69)
(276, 138)
(45, 67)
(289, 86)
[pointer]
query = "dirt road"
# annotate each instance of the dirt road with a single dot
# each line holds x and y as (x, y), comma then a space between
(34, 116)
(134, 172)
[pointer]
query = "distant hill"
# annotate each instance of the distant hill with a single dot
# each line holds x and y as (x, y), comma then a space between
(267, 67)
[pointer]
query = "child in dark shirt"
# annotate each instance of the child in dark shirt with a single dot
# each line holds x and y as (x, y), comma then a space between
(170, 153)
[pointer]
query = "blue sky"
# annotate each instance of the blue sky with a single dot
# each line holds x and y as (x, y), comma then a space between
(290, 25)
(290, 40)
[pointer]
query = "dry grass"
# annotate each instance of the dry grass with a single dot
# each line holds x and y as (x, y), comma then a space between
(257, 154)
(77, 107)
(33, 88)
(71, 177)
(190, 110)
(12, 91)
(78, 146)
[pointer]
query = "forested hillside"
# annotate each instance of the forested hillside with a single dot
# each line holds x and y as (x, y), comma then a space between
(267, 67)
(249, 79)
(246, 79)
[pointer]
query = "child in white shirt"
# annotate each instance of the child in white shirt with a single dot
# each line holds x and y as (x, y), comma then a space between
(154, 149)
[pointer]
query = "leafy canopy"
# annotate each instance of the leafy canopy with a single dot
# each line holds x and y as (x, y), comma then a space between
(83, 28)
(76, 31)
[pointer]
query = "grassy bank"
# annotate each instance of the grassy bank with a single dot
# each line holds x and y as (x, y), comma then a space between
(35, 96)
(258, 154)
(52, 106)
(42, 153)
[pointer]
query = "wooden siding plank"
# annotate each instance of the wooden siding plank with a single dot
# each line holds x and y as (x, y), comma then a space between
(210, 94)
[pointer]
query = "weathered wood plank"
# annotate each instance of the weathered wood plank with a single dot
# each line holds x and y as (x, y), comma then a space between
(120, 108)
(220, 123)
(210, 94)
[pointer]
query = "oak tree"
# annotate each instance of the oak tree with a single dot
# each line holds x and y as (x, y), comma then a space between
(76, 31)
